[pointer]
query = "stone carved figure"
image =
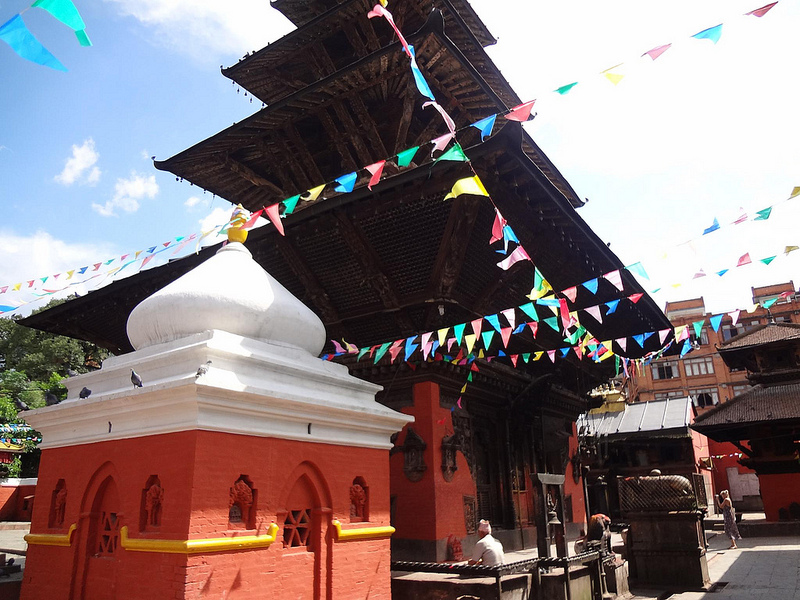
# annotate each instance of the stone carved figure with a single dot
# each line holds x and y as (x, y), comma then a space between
(59, 507)
(153, 501)
(240, 502)
(358, 503)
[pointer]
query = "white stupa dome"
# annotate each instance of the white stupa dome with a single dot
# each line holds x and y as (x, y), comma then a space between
(229, 292)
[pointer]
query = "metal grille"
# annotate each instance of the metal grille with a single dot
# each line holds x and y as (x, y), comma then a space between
(656, 494)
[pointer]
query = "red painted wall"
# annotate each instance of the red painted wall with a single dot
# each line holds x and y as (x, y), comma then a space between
(13, 506)
(432, 508)
(729, 458)
(197, 470)
(572, 488)
(778, 491)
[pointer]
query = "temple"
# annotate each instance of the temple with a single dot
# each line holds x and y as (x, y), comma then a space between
(398, 260)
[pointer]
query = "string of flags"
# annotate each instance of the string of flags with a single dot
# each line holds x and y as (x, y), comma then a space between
(16, 34)
(20, 433)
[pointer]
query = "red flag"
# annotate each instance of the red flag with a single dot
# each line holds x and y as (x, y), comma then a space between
(520, 113)
(497, 227)
(658, 51)
(744, 260)
(476, 326)
(252, 220)
(635, 297)
(760, 12)
(505, 333)
(534, 325)
(375, 170)
(514, 358)
(571, 293)
(273, 212)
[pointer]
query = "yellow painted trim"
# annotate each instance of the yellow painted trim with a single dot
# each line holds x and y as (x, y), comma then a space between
(364, 533)
(52, 539)
(245, 542)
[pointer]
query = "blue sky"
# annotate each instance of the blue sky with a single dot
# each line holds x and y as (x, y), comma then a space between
(704, 130)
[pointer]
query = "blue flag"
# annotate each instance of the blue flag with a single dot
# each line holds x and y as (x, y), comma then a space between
(14, 33)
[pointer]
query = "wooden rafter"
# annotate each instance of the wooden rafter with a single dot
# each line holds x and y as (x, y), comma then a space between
(367, 120)
(302, 151)
(405, 121)
(249, 174)
(337, 137)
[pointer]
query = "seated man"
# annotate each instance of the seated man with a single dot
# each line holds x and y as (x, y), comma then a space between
(488, 551)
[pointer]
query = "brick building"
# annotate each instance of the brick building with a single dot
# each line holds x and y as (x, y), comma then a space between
(703, 376)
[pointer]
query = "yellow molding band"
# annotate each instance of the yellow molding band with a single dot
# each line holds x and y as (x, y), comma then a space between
(365, 533)
(52, 539)
(245, 542)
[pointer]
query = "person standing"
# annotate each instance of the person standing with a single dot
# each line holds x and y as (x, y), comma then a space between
(729, 515)
(488, 550)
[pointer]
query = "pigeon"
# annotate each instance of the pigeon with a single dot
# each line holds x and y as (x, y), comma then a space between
(135, 379)
(71, 373)
(50, 398)
(20, 404)
(202, 369)
(85, 393)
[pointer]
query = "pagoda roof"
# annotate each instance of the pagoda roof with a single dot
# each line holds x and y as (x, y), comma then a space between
(396, 261)
(759, 405)
(329, 128)
(766, 333)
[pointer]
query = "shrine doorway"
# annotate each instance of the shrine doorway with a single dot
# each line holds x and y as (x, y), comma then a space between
(97, 563)
(307, 532)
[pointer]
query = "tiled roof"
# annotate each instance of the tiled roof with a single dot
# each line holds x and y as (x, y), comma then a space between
(640, 417)
(763, 334)
(759, 404)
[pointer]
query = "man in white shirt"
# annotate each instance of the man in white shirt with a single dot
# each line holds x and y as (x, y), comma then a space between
(488, 551)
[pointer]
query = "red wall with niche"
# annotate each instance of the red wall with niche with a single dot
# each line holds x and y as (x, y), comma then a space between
(778, 491)
(196, 470)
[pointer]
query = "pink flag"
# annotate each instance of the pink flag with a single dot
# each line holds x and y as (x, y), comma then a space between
(252, 220)
(578, 352)
(450, 343)
(517, 255)
(476, 326)
(552, 355)
(742, 218)
(635, 297)
(760, 12)
(520, 113)
(338, 347)
(505, 333)
(744, 260)
(447, 118)
(514, 358)
(441, 142)
(375, 170)
(658, 51)
(379, 11)
(459, 403)
(534, 328)
(615, 279)
(734, 315)
(497, 227)
(699, 274)
(510, 316)
(426, 344)
(571, 293)
(662, 335)
(622, 343)
(595, 312)
(273, 212)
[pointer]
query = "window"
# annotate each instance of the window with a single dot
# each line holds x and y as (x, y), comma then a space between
(667, 369)
(702, 340)
(699, 366)
(672, 394)
(297, 528)
(704, 397)
(740, 389)
(109, 534)
(731, 331)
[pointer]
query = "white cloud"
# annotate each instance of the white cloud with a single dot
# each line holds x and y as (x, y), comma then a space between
(193, 201)
(127, 193)
(83, 160)
(206, 28)
(218, 216)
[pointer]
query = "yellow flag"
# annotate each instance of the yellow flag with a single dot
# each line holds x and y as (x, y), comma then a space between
(614, 78)
(70, 273)
(537, 355)
(468, 185)
(442, 334)
(790, 249)
(313, 193)
(795, 192)
(480, 353)
(753, 307)
(469, 340)
(384, 3)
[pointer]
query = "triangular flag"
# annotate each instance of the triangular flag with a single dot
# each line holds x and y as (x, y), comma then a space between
(469, 340)
(362, 352)
(760, 12)
(614, 78)
(538, 355)
(565, 88)
(744, 260)
(591, 285)
(612, 306)
(551, 354)
(346, 183)
(290, 204)
(595, 312)
(763, 215)
(715, 321)
(511, 316)
(410, 346)
(425, 343)
(14, 33)
(313, 193)
(662, 335)
(614, 278)
(698, 327)
(571, 293)
(521, 112)
(734, 315)
(638, 269)
(65, 11)
(381, 351)
(516, 256)
(419, 78)
(273, 212)
(564, 352)
(721, 273)
(699, 274)
(526, 357)
(508, 236)
(477, 325)
(487, 338)
(681, 332)
(635, 297)
(553, 323)
(795, 190)
(405, 157)
(497, 227)
(530, 310)
(742, 218)
(639, 339)
(657, 51)
(455, 154)
(622, 343)
(448, 120)
(494, 321)
(534, 328)
(468, 185)
(505, 333)
(540, 285)
(514, 358)
(441, 335)
(712, 33)
(789, 249)
(768, 260)
(687, 347)
(714, 226)
(485, 126)
(458, 332)
(375, 170)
